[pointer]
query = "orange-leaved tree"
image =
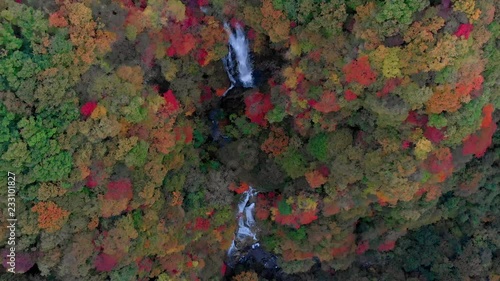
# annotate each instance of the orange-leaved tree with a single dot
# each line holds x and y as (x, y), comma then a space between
(50, 216)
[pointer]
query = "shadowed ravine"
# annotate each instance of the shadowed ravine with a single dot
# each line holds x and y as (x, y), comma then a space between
(245, 249)
(245, 252)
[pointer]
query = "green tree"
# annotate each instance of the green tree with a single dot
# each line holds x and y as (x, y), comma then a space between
(53, 168)
(138, 155)
(395, 15)
(318, 146)
(293, 163)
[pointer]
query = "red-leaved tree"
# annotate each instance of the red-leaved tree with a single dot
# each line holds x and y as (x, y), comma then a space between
(359, 71)
(257, 105)
(479, 142)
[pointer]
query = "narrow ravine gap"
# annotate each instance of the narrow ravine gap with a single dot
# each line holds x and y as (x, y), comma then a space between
(245, 249)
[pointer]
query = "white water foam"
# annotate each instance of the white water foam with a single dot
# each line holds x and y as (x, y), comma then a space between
(238, 44)
(246, 222)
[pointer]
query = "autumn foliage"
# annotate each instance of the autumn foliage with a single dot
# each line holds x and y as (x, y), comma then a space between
(171, 102)
(479, 142)
(359, 71)
(350, 95)
(276, 143)
(370, 122)
(50, 216)
(121, 189)
(257, 105)
(315, 179)
(327, 103)
(464, 30)
(386, 246)
(88, 108)
(105, 262)
(239, 188)
(295, 212)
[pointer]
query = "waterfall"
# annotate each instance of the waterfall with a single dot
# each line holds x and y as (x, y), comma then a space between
(245, 248)
(246, 233)
(238, 62)
(239, 69)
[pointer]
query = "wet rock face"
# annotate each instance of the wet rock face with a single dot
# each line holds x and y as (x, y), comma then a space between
(234, 102)
(265, 264)
(259, 260)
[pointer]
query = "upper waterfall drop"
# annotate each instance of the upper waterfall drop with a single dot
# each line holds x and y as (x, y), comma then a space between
(238, 62)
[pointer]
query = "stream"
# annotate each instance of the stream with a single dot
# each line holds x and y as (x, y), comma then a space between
(245, 249)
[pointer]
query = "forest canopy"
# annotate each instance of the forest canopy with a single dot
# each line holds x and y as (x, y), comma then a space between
(370, 135)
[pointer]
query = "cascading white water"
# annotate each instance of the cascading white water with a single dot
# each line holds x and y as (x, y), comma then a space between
(238, 48)
(246, 233)
(245, 248)
(239, 68)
